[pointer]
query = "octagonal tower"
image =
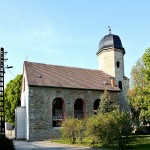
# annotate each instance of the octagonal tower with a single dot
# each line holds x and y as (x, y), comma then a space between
(111, 61)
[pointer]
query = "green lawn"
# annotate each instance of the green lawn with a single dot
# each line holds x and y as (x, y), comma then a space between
(141, 142)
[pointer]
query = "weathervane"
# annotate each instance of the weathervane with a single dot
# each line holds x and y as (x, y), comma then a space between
(109, 29)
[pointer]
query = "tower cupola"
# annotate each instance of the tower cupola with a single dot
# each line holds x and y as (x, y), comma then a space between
(110, 41)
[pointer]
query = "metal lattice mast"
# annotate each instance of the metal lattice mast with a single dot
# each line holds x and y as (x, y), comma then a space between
(2, 112)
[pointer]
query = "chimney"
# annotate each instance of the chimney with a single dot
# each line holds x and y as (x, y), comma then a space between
(112, 81)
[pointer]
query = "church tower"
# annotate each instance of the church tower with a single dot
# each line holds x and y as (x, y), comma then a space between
(111, 61)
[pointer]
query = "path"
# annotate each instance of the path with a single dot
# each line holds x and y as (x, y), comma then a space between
(45, 145)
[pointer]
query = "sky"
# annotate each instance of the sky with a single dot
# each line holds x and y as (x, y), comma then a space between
(68, 32)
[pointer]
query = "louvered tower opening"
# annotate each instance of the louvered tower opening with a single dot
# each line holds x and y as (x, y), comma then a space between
(2, 113)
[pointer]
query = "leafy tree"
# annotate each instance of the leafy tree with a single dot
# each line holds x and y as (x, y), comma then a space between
(146, 60)
(12, 98)
(139, 98)
(106, 103)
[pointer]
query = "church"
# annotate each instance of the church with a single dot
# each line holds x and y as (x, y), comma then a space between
(52, 93)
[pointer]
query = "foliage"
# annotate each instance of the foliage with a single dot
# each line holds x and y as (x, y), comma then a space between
(73, 129)
(80, 128)
(12, 98)
(138, 96)
(111, 128)
(146, 60)
(106, 103)
(92, 130)
(6, 144)
(108, 127)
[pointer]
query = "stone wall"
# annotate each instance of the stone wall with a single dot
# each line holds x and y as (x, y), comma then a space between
(40, 108)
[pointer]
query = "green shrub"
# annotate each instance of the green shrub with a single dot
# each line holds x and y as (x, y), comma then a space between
(111, 128)
(72, 129)
(68, 132)
(80, 129)
(5, 143)
(92, 130)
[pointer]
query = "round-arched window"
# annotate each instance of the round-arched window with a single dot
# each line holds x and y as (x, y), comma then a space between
(78, 108)
(58, 113)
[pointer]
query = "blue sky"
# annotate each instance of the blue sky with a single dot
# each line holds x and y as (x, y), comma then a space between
(67, 32)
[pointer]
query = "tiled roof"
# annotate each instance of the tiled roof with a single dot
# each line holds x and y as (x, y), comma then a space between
(67, 77)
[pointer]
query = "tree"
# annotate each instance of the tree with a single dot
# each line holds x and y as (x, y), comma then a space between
(146, 60)
(146, 71)
(106, 103)
(12, 94)
(110, 126)
(138, 96)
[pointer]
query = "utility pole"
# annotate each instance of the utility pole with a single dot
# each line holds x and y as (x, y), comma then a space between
(2, 71)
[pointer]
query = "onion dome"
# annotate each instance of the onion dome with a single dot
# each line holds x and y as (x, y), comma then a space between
(110, 41)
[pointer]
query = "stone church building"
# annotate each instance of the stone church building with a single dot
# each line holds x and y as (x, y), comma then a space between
(51, 93)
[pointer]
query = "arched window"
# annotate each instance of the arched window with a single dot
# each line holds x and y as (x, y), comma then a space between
(96, 105)
(118, 64)
(58, 112)
(78, 108)
(120, 85)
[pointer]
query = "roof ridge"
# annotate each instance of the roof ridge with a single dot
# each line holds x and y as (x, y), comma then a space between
(64, 66)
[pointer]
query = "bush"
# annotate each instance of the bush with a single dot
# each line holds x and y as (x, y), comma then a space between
(5, 143)
(80, 128)
(111, 128)
(72, 129)
(92, 130)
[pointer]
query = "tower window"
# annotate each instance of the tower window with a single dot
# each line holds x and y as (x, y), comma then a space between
(118, 64)
(120, 85)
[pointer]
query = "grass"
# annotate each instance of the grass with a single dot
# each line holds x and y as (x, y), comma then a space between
(140, 142)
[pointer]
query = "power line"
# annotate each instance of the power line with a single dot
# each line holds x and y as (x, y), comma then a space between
(10, 72)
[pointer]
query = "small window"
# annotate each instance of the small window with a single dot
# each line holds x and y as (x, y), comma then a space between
(120, 85)
(118, 64)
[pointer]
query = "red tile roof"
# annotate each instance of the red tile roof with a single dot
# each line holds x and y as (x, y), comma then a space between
(67, 77)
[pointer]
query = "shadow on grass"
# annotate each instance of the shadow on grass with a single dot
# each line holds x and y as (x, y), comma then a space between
(140, 147)
(141, 142)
